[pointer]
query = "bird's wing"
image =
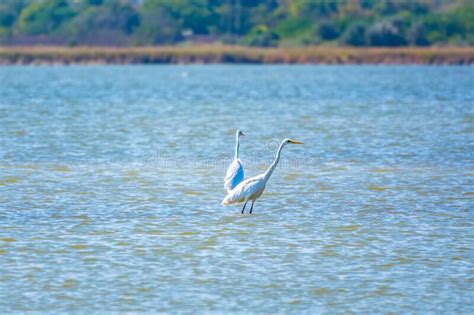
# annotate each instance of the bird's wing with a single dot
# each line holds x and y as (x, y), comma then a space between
(235, 174)
(244, 190)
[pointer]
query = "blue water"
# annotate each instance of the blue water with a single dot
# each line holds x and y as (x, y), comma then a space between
(111, 179)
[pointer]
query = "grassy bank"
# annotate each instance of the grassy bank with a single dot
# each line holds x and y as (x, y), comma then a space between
(235, 54)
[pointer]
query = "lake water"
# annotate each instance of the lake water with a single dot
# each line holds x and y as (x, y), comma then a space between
(111, 179)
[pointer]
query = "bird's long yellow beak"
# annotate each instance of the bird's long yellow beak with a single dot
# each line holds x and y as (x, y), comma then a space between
(295, 142)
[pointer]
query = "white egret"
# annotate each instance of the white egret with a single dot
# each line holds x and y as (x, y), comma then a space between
(252, 188)
(235, 172)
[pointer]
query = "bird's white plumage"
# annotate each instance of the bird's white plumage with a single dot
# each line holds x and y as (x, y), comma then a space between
(249, 189)
(235, 174)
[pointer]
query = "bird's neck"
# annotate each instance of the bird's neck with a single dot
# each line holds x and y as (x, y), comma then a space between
(270, 170)
(237, 146)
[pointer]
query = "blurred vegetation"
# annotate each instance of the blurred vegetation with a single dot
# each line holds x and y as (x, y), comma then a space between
(236, 54)
(263, 23)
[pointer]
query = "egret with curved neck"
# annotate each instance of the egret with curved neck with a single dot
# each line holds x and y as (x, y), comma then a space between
(252, 188)
(235, 172)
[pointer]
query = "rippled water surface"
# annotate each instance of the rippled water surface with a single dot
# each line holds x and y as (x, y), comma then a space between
(111, 183)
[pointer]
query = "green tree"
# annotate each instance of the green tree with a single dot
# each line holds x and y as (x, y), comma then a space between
(158, 24)
(44, 17)
(98, 24)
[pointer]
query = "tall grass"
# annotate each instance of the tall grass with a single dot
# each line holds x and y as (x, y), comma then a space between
(235, 54)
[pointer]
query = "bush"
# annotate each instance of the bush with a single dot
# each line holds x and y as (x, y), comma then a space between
(101, 24)
(261, 36)
(418, 36)
(385, 34)
(328, 31)
(355, 35)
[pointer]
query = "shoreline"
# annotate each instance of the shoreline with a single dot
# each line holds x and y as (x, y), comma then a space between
(215, 54)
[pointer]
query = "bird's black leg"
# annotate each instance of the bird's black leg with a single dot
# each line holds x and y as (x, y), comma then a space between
(251, 208)
(244, 207)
